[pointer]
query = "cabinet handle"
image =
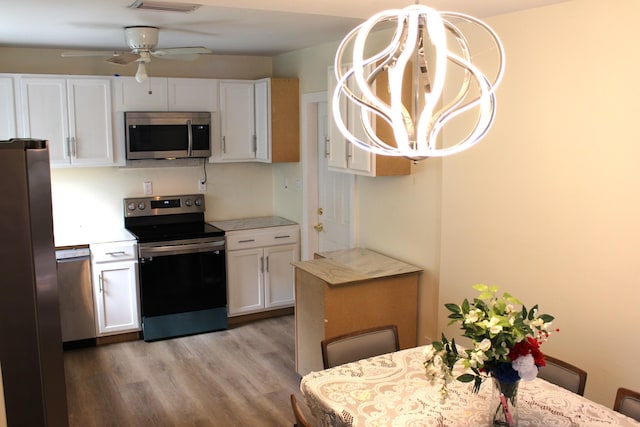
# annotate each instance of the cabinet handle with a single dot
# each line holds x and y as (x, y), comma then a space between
(282, 237)
(255, 144)
(189, 139)
(65, 147)
(267, 267)
(100, 282)
(224, 144)
(74, 148)
(261, 264)
(246, 241)
(327, 147)
(116, 254)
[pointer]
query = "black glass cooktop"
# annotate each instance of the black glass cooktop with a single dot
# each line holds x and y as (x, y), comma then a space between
(179, 231)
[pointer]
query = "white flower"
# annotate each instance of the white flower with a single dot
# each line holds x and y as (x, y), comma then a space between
(483, 345)
(473, 316)
(492, 325)
(526, 367)
(429, 352)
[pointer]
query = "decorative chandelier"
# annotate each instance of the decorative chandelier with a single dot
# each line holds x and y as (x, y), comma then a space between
(420, 49)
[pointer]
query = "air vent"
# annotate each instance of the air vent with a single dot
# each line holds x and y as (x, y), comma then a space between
(164, 6)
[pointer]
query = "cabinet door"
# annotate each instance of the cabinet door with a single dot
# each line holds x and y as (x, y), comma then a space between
(237, 125)
(45, 115)
(192, 94)
(263, 120)
(245, 280)
(8, 118)
(337, 152)
(280, 276)
(115, 289)
(90, 127)
(150, 95)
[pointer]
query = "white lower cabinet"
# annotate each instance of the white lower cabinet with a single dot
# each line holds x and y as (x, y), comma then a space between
(260, 275)
(115, 287)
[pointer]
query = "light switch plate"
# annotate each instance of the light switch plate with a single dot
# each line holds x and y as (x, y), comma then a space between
(202, 185)
(148, 188)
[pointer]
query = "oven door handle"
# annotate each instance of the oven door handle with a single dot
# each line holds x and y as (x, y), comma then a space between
(166, 250)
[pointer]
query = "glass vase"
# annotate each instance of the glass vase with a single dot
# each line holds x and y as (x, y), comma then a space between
(504, 403)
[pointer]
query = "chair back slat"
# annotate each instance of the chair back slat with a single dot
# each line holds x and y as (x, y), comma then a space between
(359, 345)
(564, 375)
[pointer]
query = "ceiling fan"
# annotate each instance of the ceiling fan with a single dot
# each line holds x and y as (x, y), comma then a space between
(142, 40)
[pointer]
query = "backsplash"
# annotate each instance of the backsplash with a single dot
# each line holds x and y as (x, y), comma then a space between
(92, 197)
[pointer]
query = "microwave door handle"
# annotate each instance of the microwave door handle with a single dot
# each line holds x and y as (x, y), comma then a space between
(189, 138)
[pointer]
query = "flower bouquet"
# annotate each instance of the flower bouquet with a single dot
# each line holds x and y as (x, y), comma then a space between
(506, 344)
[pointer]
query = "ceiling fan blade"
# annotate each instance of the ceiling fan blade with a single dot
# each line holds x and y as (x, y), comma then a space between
(78, 53)
(123, 59)
(160, 53)
(184, 57)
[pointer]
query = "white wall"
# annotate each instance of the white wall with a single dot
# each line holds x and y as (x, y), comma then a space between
(547, 206)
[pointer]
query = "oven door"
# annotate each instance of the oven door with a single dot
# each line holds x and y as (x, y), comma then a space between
(182, 288)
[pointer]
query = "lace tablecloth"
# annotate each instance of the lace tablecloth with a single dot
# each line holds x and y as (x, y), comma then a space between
(391, 390)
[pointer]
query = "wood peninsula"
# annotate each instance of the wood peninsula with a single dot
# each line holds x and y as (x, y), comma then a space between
(346, 290)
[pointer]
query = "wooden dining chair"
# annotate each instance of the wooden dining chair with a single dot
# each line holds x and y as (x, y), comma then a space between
(628, 403)
(564, 375)
(359, 345)
(301, 413)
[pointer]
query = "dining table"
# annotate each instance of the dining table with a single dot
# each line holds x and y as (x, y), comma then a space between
(392, 390)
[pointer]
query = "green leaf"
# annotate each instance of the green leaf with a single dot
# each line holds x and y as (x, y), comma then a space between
(466, 378)
(454, 308)
(465, 306)
(546, 318)
(437, 345)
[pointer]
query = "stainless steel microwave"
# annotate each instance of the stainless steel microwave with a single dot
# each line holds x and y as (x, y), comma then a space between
(167, 134)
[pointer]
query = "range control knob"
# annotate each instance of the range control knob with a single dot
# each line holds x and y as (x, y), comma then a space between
(142, 205)
(198, 202)
(131, 206)
(188, 203)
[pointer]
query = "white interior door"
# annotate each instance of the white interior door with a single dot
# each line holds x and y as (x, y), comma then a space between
(335, 195)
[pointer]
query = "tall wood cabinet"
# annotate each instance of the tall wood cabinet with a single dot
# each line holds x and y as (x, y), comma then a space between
(347, 290)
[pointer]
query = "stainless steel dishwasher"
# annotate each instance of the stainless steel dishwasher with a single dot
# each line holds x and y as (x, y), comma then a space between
(77, 318)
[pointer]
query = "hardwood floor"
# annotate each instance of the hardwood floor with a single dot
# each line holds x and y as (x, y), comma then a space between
(239, 377)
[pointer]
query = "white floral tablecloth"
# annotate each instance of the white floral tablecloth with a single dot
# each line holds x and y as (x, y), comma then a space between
(391, 390)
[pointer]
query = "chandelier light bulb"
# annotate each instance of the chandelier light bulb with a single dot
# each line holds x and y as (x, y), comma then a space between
(436, 51)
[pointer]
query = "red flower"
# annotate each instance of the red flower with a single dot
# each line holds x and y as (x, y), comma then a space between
(528, 346)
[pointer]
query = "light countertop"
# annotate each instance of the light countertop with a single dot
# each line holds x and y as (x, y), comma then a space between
(251, 223)
(82, 236)
(354, 265)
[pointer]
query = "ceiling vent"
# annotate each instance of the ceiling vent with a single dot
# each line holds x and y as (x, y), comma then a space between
(164, 6)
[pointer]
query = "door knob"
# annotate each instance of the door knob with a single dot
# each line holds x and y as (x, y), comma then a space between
(319, 227)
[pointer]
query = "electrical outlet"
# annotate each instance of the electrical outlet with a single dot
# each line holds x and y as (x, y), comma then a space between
(147, 188)
(202, 184)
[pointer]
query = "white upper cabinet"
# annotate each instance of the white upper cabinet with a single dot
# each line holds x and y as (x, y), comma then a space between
(237, 122)
(73, 114)
(192, 94)
(259, 121)
(150, 95)
(343, 156)
(8, 119)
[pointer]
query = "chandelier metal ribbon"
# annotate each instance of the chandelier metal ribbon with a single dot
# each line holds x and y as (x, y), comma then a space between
(420, 45)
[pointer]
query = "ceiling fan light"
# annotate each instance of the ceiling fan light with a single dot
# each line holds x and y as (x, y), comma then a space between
(141, 74)
(164, 6)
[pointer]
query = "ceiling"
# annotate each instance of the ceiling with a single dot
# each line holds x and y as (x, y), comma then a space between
(242, 27)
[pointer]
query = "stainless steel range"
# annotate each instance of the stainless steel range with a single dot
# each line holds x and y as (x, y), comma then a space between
(182, 269)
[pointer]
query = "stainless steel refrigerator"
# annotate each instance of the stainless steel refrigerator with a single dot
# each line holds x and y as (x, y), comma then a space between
(31, 356)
